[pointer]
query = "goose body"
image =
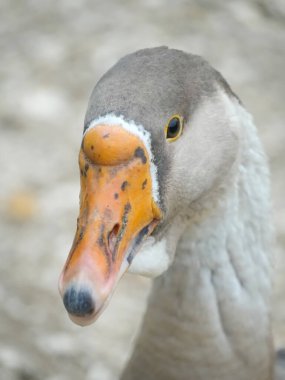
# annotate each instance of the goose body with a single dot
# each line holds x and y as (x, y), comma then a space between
(175, 185)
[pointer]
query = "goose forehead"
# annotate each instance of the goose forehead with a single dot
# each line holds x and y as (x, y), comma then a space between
(150, 85)
(137, 130)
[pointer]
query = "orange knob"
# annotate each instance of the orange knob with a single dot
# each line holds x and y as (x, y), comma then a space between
(110, 145)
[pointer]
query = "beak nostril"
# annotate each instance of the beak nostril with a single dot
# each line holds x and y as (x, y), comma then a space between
(112, 237)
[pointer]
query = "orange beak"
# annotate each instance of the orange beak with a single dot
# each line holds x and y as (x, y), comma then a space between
(117, 212)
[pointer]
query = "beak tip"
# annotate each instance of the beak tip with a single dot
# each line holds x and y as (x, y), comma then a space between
(79, 301)
(82, 321)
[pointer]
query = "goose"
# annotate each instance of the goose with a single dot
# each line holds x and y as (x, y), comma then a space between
(175, 186)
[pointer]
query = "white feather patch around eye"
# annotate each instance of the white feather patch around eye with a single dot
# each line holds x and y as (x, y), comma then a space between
(151, 260)
(137, 130)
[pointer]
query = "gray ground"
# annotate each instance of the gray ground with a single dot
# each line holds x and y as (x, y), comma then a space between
(52, 53)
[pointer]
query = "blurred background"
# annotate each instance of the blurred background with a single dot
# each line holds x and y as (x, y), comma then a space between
(52, 54)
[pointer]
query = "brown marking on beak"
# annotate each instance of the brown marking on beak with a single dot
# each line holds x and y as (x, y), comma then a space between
(116, 210)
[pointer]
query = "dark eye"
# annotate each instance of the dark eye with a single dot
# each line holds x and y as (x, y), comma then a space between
(173, 128)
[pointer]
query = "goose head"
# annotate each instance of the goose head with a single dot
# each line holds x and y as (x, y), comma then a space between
(161, 133)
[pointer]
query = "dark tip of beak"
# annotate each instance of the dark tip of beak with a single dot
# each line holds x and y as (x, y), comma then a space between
(78, 302)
